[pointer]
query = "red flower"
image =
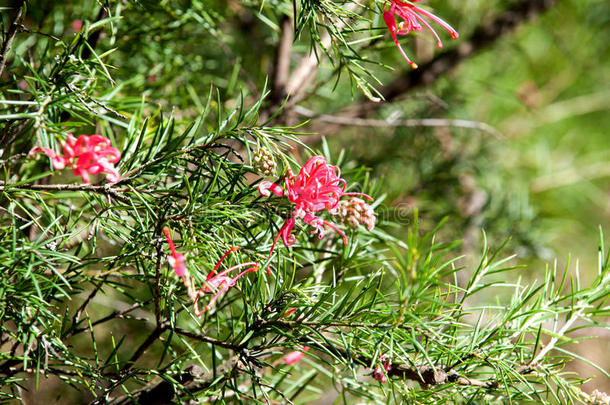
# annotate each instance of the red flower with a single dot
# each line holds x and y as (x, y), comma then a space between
(380, 373)
(220, 283)
(176, 260)
(317, 187)
(412, 20)
(86, 155)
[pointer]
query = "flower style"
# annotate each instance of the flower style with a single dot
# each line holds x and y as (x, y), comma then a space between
(412, 20)
(318, 186)
(220, 283)
(176, 260)
(295, 356)
(86, 155)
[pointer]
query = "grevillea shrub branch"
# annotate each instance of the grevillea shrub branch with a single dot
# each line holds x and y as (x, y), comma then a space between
(147, 177)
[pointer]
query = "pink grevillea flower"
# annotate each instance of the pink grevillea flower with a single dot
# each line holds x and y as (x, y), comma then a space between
(295, 356)
(317, 187)
(86, 155)
(380, 374)
(176, 260)
(220, 283)
(412, 20)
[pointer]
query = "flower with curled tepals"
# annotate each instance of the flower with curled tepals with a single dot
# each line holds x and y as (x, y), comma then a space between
(220, 283)
(85, 155)
(412, 20)
(317, 187)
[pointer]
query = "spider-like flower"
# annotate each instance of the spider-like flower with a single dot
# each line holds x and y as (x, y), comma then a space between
(176, 260)
(220, 283)
(317, 187)
(412, 20)
(86, 155)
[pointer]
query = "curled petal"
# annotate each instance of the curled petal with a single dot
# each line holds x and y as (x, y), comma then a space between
(110, 154)
(112, 175)
(98, 141)
(265, 188)
(57, 161)
(82, 173)
(47, 151)
(286, 232)
(316, 223)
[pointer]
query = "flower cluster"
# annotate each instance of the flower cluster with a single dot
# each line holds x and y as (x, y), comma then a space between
(215, 282)
(317, 187)
(412, 20)
(86, 155)
(355, 211)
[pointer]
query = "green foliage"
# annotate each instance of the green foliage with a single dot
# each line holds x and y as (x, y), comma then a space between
(190, 93)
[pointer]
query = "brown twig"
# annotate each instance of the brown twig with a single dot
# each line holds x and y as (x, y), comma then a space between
(152, 338)
(193, 380)
(99, 189)
(10, 36)
(92, 294)
(205, 339)
(109, 317)
(415, 122)
(281, 69)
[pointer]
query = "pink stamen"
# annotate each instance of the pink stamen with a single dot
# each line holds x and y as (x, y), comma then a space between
(170, 242)
(391, 23)
(228, 252)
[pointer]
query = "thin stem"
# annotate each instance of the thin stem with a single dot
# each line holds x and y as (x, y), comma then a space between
(10, 36)
(417, 122)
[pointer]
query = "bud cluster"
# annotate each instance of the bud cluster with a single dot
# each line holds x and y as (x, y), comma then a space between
(263, 162)
(355, 211)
